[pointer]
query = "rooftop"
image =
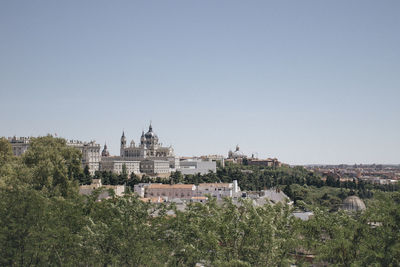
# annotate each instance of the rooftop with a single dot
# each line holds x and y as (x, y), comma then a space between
(168, 186)
(216, 184)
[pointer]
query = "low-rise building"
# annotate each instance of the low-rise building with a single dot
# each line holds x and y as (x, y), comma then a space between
(195, 166)
(200, 199)
(116, 165)
(188, 191)
(264, 162)
(217, 158)
(218, 190)
(96, 184)
(160, 168)
(182, 191)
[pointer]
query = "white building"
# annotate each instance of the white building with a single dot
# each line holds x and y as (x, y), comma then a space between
(216, 158)
(90, 150)
(166, 191)
(148, 148)
(155, 167)
(19, 144)
(195, 166)
(187, 191)
(90, 154)
(218, 190)
(115, 165)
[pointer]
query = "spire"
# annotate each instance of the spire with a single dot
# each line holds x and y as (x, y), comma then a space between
(123, 140)
(105, 152)
(150, 127)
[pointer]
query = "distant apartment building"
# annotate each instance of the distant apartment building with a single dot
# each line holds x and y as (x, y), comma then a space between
(196, 166)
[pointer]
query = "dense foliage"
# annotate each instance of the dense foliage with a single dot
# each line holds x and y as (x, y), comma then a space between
(45, 222)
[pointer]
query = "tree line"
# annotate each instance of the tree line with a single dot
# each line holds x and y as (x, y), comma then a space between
(44, 221)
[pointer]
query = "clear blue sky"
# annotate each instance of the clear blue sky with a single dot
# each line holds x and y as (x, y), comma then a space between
(303, 81)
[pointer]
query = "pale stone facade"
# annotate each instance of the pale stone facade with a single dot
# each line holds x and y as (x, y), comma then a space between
(90, 154)
(90, 150)
(115, 165)
(19, 144)
(157, 159)
(195, 166)
(182, 191)
(187, 191)
(155, 167)
(236, 156)
(218, 190)
(216, 158)
(264, 162)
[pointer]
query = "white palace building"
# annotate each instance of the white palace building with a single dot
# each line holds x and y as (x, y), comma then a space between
(148, 157)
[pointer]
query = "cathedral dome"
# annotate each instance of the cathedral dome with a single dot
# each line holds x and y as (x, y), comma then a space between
(353, 203)
(237, 154)
(150, 134)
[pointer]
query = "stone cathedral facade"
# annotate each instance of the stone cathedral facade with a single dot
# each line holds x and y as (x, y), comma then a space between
(149, 156)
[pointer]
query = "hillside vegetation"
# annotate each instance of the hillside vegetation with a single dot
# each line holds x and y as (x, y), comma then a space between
(45, 222)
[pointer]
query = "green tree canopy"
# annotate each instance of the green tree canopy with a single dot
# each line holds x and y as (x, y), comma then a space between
(53, 164)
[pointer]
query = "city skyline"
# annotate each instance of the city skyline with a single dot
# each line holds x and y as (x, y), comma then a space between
(115, 151)
(307, 83)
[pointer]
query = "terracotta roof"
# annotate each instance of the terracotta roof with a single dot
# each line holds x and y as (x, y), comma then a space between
(200, 198)
(168, 186)
(215, 184)
(152, 199)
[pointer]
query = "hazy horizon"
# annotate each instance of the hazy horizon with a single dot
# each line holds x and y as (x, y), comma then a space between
(306, 82)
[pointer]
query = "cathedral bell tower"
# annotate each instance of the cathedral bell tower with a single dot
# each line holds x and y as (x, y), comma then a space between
(123, 144)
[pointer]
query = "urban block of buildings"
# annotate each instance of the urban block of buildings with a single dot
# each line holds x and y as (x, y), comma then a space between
(368, 173)
(90, 150)
(239, 157)
(148, 157)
